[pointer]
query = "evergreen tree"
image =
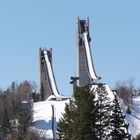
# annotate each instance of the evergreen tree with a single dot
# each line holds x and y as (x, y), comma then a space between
(64, 127)
(119, 129)
(85, 115)
(128, 110)
(78, 122)
(103, 114)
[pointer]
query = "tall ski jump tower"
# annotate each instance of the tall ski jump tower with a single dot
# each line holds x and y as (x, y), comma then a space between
(86, 69)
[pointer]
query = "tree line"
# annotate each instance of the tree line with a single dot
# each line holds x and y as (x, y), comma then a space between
(13, 123)
(126, 90)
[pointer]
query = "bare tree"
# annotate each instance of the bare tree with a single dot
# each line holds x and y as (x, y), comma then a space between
(24, 90)
(126, 90)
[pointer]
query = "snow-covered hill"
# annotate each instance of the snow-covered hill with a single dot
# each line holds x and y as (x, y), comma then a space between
(43, 115)
(134, 118)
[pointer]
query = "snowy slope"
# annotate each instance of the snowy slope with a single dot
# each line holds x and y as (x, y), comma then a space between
(42, 121)
(134, 118)
(43, 116)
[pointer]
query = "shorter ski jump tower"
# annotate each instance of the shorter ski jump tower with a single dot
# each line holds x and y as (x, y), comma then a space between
(86, 70)
(48, 85)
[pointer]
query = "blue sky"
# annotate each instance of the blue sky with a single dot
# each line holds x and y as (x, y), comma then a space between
(27, 25)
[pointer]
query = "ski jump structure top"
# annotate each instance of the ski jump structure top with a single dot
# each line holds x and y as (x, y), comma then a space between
(87, 74)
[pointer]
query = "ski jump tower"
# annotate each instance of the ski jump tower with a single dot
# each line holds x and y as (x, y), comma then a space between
(48, 85)
(87, 74)
(45, 89)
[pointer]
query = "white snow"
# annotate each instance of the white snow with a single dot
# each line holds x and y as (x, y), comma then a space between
(134, 118)
(110, 92)
(107, 88)
(42, 122)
